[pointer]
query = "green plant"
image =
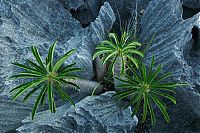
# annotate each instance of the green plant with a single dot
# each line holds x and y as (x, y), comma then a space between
(117, 49)
(45, 77)
(145, 88)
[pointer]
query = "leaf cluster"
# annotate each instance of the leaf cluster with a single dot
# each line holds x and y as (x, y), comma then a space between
(147, 87)
(45, 77)
(114, 48)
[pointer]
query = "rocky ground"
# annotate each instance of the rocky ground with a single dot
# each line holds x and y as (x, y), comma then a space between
(82, 24)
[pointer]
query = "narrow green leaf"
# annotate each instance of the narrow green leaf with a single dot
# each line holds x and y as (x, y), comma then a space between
(71, 70)
(25, 75)
(110, 44)
(134, 61)
(25, 88)
(163, 77)
(43, 91)
(68, 76)
(161, 107)
(62, 59)
(21, 86)
(152, 114)
(134, 72)
(50, 97)
(37, 57)
(29, 94)
(134, 44)
(42, 102)
(145, 106)
(64, 95)
(173, 99)
(109, 56)
(154, 75)
(27, 68)
(151, 67)
(134, 52)
(100, 53)
(66, 67)
(125, 94)
(164, 89)
(51, 54)
(134, 99)
(114, 36)
(36, 66)
(136, 108)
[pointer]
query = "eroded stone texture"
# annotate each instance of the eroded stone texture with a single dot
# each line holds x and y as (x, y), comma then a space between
(172, 47)
(96, 114)
(11, 113)
(40, 23)
(123, 9)
(30, 23)
(88, 39)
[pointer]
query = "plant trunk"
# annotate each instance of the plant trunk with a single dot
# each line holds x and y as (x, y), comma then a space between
(100, 69)
(87, 86)
(117, 73)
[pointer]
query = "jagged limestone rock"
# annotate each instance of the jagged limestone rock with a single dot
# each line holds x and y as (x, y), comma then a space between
(94, 114)
(26, 23)
(16, 38)
(11, 113)
(88, 39)
(88, 11)
(172, 47)
(22, 24)
(40, 23)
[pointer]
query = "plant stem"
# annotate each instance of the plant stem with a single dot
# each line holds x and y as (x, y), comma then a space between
(87, 86)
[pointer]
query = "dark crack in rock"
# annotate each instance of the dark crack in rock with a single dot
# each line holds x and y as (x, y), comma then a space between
(88, 11)
(72, 4)
(94, 114)
(189, 12)
(88, 39)
(172, 48)
(191, 3)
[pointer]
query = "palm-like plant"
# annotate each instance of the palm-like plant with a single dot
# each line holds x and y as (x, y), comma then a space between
(116, 50)
(145, 88)
(45, 77)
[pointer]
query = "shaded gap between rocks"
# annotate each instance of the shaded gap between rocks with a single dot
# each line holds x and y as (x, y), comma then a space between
(189, 12)
(195, 41)
(84, 14)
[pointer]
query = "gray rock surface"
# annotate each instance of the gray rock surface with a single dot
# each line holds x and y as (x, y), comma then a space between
(43, 26)
(11, 113)
(87, 12)
(88, 39)
(173, 47)
(26, 23)
(40, 23)
(22, 24)
(88, 116)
